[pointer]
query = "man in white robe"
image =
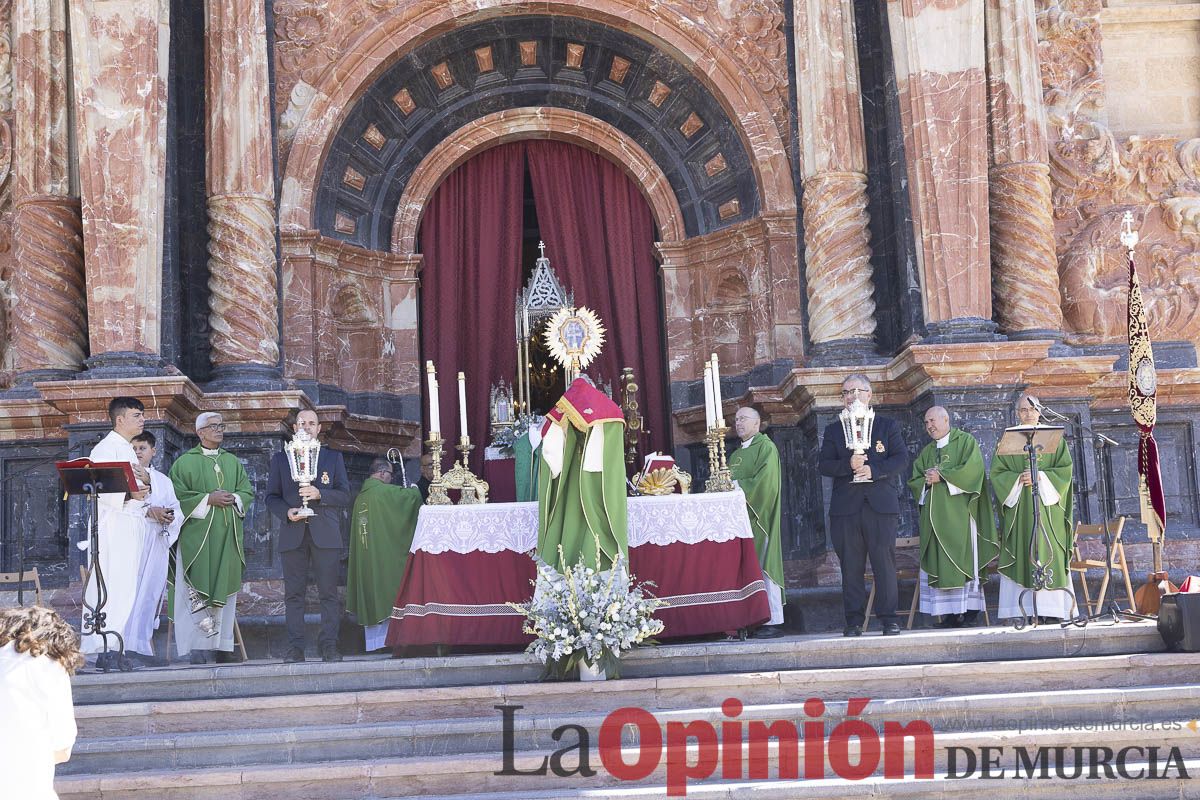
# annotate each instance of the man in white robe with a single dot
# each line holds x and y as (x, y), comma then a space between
(120, 525)
(162, 523)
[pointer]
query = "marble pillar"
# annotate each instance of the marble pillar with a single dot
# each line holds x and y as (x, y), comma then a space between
(939, 54)
(1025, 288)
(119, 57)
(49, 327)
(841, 302)
(242, 263)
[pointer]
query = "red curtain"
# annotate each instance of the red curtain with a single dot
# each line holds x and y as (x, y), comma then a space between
(471, 241)
(599, 238)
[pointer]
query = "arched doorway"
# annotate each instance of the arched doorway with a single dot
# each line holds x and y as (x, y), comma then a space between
(478, 240)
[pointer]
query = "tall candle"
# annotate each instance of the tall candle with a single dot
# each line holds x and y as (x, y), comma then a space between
(462, 406)
(720, 404)
(435, 421)
(708, 397)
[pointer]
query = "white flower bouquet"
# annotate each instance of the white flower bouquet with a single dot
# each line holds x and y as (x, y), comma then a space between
(587, 616)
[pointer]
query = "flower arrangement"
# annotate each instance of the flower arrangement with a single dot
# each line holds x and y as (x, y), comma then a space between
(585, 616)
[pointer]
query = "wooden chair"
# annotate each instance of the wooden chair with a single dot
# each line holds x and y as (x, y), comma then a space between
(28, 576)
(902, 574)
(1081, 565)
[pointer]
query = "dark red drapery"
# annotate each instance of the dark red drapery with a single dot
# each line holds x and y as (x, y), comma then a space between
(599, 236)
(471, 271)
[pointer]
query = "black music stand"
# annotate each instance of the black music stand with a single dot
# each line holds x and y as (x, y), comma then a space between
(1032, 440)
(83, 477)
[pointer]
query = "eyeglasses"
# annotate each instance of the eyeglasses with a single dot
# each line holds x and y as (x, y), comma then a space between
(849, 392)
(216, 426)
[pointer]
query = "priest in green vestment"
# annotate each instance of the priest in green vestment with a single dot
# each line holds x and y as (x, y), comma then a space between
(581, 481)
(214, 494)
(1055, 496)
(526, 457)
(958, 530)
(382, 524)
(755, 467)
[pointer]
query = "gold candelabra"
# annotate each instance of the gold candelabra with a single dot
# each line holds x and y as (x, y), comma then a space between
(437, 486)
(719, 479)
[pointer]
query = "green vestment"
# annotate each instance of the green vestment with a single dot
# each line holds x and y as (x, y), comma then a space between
(756, 469)
(525, 462)
(210, 548)
(381, 531)
(945, 518)
(582, 501)
(1016, 522)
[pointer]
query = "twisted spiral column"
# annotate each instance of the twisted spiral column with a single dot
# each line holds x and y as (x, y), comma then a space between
(841, 303)
(49, 330)
(242, 284)
(1025, 289)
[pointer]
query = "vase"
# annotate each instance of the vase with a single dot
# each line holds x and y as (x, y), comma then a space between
(592, 673)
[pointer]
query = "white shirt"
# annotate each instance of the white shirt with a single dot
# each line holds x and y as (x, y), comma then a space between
(38, 721)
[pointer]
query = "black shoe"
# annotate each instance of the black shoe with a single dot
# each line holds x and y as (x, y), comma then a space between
(768, 632)
(852, 630)
(230, 657)
(140, 660)
(199, 657)
(294, 656)
(330, 654)
(950, 621)
(106, 660)
(891, 628)
(969, 617)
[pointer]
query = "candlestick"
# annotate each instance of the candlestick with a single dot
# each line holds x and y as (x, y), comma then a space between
(435, 418)
(462, 405)
(720, 404)
(708, 397)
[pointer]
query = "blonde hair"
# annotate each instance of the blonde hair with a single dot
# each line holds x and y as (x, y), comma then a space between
(41, 631)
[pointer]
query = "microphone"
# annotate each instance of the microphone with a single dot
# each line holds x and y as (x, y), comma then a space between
(1043, 410)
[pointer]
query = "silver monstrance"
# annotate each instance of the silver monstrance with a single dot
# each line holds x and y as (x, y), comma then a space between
(857, 422)
(302, 452)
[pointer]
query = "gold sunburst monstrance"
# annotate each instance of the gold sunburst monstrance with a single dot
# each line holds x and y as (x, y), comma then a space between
(574, 336)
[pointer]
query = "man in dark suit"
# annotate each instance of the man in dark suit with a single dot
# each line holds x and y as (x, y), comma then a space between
(863, 517)
(315, 540)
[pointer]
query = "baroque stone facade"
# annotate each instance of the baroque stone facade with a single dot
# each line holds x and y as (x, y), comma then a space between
(927, 192)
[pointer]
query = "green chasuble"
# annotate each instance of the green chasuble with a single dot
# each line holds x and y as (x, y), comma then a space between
(945, 518)
(581, 481)
(211, 548)
(526, 458)
(1016, 522)
(381, 531)
(756, 469)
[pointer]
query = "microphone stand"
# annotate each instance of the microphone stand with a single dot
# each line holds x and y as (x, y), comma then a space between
(1043, 574)
(1099, 442)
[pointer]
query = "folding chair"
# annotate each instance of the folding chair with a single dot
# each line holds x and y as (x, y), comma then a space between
(28, 576)
(1081, 565)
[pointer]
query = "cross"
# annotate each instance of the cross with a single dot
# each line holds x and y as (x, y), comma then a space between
(541, 249)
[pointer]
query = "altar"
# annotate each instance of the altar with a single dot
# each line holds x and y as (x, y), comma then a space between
(468, 561)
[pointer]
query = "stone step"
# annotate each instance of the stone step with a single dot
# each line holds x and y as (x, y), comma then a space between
(534, 730)
(442, 776)
(807, 652)
(401, 705)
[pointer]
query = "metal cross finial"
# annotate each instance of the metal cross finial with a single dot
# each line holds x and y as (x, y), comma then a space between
(1129, 237)
(541, 249)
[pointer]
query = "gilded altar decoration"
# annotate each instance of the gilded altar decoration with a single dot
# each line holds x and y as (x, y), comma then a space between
(574, 336)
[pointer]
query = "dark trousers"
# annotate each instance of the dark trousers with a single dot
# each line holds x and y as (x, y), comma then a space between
(324, 561)
(855, 538)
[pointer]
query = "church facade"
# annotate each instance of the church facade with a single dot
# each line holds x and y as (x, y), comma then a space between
(217, 206)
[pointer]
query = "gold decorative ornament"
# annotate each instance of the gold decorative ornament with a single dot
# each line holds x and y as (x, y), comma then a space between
(574, 337)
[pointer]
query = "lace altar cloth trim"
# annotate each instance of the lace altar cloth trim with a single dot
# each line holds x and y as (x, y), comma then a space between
(493, 527)
(713, 598)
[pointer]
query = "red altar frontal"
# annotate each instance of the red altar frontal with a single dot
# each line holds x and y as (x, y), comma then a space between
(467, 562)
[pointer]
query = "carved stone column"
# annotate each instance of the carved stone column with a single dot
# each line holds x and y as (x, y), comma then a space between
(119, 60)
(841, 302)
(938, 49)
(1025, 288)
(49, 330)
(241, 198)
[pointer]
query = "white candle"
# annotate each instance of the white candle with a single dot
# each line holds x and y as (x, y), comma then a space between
(708, 397)
(435, 420)
(462, 406)
(720, 404)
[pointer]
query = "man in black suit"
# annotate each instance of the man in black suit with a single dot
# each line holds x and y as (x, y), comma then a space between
(863, 517)
(315, 540)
